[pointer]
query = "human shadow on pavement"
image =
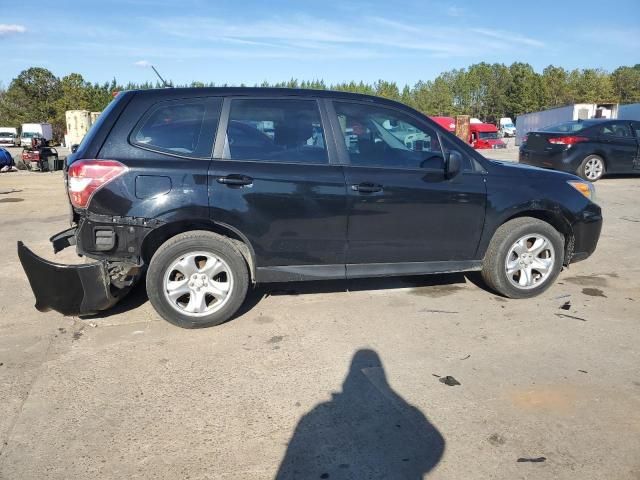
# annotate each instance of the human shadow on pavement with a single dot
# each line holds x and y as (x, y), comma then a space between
(366, 431)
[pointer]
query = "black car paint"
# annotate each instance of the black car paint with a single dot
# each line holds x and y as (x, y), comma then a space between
(299, 222)
(620, 154)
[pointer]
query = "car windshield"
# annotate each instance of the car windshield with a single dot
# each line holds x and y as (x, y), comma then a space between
(567, 127)
(30, 134)
(509, 125)
(488, 135)
(6, 134)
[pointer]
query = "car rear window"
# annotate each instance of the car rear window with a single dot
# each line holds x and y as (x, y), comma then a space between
(567, 127)
(180, 127)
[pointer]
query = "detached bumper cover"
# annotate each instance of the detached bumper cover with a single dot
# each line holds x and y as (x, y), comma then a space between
(69, 289)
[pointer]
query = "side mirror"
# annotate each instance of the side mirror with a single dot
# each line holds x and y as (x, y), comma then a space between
(453, 165)
(74, 148)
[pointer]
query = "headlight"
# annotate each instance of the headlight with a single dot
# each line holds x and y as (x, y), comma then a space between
(585, 188)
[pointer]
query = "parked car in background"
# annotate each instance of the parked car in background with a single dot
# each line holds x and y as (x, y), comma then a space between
(35, 130)
(484, 135)
(507, 128)
(9, 137)
(588, 148)
(188, 185)
(535, 121)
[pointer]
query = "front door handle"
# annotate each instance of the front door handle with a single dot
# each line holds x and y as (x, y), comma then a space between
(234, 180)
(366, 188)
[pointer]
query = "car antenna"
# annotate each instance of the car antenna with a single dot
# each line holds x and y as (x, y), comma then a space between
(164, 82)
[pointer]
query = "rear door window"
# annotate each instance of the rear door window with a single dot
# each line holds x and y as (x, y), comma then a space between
(183, 127)
(275, 130)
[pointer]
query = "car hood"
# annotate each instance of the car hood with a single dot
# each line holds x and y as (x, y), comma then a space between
(515, 169)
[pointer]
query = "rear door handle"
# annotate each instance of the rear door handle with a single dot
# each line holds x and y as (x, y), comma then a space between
(366, 188)
(235, 180)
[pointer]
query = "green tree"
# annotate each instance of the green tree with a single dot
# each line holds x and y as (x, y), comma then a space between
(626, 84)
(31, 97)
(524, 92)
(555, 87)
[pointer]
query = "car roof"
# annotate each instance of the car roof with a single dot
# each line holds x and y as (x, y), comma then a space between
(170, 92)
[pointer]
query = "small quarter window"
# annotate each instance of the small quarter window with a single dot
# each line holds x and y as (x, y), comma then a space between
(275, 130)
(182, 127)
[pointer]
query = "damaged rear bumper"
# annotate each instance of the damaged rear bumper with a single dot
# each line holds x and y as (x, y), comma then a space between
(69, 289)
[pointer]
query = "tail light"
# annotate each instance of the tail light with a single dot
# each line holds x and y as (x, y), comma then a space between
(526, 137)
(568, 140)
(86, 177)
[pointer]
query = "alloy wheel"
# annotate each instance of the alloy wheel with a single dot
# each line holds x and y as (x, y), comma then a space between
(198, 284)
(530, 261)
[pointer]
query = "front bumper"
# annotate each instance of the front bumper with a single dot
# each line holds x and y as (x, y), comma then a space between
(69, 289)
(586, 233)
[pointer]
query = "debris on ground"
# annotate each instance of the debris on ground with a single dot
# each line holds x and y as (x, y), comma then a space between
(468, 356)
(496, 440)
(583, 371)
(449, 380)
(566, 305)
(532, 460)
(564, 315)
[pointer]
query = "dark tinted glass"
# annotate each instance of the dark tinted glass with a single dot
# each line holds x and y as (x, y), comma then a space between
(382, 137)
(566, 127)
(181, 127)
(616, 130)
(275, 130)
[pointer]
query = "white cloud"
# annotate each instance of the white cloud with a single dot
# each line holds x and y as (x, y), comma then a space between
(142, 63)
(508, 37)
(9, 29)
(295, 36)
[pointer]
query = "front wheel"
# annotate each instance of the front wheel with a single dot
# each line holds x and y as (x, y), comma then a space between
(592, 168)
(524, 258)
(197, 279)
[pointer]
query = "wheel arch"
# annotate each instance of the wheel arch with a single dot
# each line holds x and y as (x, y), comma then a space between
(553, 218)
(160, 235)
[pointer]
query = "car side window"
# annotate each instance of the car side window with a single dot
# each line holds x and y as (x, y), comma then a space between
(275, 130)
(616, 130)
(181, 127)
(636, 128)
(383, 137)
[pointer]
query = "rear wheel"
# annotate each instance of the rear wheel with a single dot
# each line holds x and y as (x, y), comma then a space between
(197, 279)
(592, 168)
(524, 258)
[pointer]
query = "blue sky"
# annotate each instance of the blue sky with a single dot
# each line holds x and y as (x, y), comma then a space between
(250, 41)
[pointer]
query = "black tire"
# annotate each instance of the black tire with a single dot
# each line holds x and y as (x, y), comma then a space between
(183, 244)
(494, 271)
(582, 169)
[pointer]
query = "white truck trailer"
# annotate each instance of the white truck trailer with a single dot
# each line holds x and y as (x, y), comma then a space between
(31, 130)
(530, 122)
(630, 111)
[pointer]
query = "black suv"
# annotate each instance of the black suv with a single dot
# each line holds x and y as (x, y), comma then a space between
(211, 190)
